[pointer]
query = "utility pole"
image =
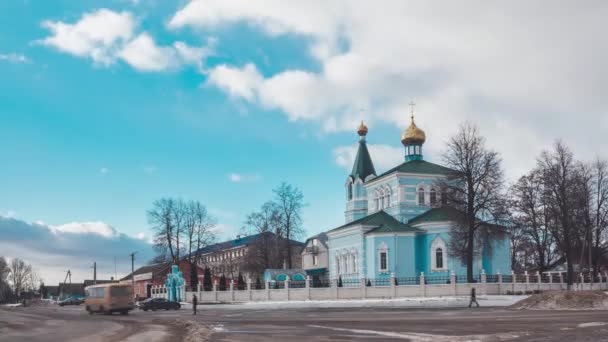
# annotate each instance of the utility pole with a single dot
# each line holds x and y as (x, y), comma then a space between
(133, 271)
(94, 272)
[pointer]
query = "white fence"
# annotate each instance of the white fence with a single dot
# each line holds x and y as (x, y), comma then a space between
(424, 287)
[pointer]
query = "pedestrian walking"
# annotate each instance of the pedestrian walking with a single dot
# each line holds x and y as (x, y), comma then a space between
(473, 298)
(195, 302)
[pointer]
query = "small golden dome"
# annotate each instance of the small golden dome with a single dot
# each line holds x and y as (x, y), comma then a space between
(413, 135)
(362, 130)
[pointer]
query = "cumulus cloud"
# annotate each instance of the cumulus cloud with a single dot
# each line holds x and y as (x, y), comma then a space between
(237, 82)
(384, 157)
(52, 250)
(106, 36)
(528, 67)
(97, 35)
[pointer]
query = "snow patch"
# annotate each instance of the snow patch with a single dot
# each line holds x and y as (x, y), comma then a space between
(591, 324)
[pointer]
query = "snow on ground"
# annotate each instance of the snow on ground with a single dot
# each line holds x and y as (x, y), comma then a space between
(591, 324)
(413, 302)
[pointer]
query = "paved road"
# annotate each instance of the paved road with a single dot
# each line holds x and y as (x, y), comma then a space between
(375, 324)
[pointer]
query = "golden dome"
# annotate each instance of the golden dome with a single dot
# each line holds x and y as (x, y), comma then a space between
(362, 130)
(413, 135)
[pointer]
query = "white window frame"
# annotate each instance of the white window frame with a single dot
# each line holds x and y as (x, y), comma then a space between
(421, 195)
(315, 260)
(383, 249)
(439, 243)
(354, 260)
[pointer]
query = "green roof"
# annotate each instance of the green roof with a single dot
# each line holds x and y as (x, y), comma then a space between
(436, 215)
(386, 223)
(420, 167)
(363, 165)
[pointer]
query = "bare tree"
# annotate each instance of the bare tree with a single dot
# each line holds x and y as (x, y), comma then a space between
(160, 217)
(198, 228)
(561, 182)
(266, 251)
(600, 212)
(20, 275)
(5, 291)
(474, 189)
(289, 200)
(531, 214)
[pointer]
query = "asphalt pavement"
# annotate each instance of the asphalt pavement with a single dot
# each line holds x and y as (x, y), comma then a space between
(214, 323)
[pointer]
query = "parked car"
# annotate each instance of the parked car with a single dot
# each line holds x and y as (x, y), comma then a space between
(158, 304)
(71, 301)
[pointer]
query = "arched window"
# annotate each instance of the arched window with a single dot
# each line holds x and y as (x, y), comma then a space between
(439, 258)
(388, 198)
(345, 261)
(338, 271)
(421, 199)
(383, 257)
(433, 196)
(354, 257)
(438, 255)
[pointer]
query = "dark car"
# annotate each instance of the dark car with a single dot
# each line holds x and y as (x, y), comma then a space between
(71, 301)
(158, 304)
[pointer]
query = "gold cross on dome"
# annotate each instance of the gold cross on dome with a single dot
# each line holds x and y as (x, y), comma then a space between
(412, 104)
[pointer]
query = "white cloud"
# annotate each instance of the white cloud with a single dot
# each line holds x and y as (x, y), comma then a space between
(14, 58)
(534, 68)
(143, 54)
(384, 157)
(106, 36)
(75, 246)
(104, 170)
(239, 177)
(99, 228)
(96, 35)
(237, 82)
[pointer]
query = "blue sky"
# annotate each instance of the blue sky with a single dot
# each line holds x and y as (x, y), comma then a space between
(106, 106)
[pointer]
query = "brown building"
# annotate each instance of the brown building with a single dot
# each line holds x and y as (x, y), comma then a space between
(229, 258)
(151, 275)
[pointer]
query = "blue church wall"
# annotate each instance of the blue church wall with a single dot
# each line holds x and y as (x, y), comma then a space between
(499, 259)
(401, 255)
(347, 243)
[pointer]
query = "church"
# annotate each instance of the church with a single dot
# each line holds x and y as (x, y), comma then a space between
(396, 224)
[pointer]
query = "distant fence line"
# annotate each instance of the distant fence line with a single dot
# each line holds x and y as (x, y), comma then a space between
(392, 287)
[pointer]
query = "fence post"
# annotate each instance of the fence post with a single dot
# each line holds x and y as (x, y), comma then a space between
(422, 286)
(363, 288)
(561, 281)
(527, 279)
(550, 280)
(198, 291)
(453, 283)
(334, 285)
(538, 279)
(499, 276)
(249, 289)
(307, 284)
(267, 290)
(287, 287)
(232, 290)
(606, 280)
(582, 287)
(393, 287)
(215, 290)
(513, 281)
(484, 287)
